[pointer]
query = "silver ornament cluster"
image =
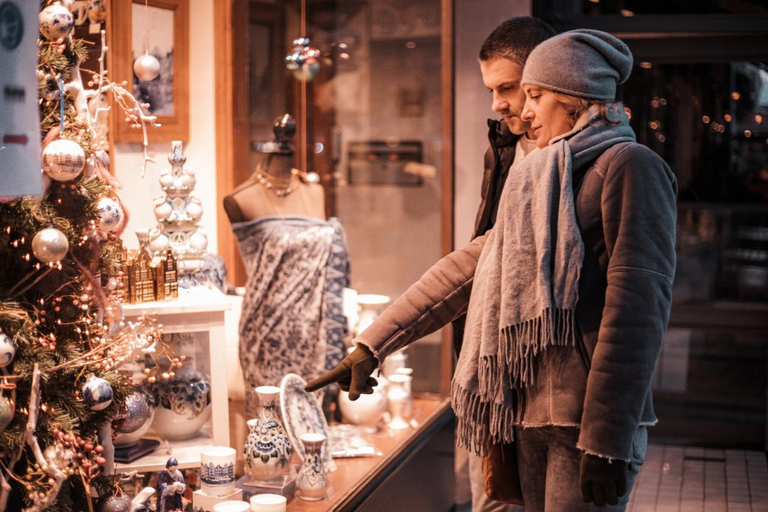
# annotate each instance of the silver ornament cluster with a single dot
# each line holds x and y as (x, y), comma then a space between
(303, 60)
(178, 214)
(50, 245)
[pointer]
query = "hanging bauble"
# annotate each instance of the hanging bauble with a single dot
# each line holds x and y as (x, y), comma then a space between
(63, 159)
(146, 67)
(7, 410)
(303, 60)
(115, 504)
(56, 21)
(50, 245)
(136, 421)
(97, 393)
(7, 350)
(110, 214)
(307, 72)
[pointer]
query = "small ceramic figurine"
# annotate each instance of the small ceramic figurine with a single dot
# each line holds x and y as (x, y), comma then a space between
(170, 487)
(141, 503)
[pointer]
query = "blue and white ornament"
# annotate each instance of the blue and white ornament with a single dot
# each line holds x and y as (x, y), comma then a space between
(56, 21)
(97, 393)
(110, 214)
(7, 350)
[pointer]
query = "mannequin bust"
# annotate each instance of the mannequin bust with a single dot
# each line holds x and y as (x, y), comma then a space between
(276, 187)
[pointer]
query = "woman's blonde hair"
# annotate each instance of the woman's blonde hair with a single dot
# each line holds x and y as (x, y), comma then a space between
(575, 107)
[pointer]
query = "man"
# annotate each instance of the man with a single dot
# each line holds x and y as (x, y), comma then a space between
(502, 58)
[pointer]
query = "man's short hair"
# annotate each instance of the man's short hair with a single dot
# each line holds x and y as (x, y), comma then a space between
(515, 38)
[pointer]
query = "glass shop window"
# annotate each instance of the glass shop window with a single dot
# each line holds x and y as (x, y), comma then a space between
(632, 7)
(709, 121)
(369, 124)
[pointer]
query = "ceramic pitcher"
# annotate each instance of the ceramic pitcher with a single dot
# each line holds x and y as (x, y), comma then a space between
(267, 450)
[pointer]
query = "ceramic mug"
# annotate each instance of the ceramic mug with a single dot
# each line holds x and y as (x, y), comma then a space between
(232, 506)
(268, 503)
(217, 470)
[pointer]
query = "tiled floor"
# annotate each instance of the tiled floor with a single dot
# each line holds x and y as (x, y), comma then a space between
(680, 479)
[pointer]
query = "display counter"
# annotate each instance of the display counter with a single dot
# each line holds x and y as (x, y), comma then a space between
(408, 463)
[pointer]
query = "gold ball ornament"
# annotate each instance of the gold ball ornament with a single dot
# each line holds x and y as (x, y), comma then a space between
(50, 245)
(146, 67)
(56, 21)
(63, 159)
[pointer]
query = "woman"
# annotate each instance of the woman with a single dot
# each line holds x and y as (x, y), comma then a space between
(570, 291)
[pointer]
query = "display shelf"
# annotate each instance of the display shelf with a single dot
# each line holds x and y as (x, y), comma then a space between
(198, 310)
(186, 452)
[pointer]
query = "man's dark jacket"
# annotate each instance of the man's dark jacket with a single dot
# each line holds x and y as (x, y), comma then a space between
(498, 160)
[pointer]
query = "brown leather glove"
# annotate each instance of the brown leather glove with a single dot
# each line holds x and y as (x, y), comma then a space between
(602, 480)
(352, 374)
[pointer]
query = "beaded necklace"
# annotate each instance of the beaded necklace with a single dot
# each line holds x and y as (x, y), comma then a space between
(280, 188)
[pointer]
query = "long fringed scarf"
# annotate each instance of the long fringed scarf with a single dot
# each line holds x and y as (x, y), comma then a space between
(526, 283)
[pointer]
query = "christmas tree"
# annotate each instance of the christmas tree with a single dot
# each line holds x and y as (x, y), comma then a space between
(61, 333)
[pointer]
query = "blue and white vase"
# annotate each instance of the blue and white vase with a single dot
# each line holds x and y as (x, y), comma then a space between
(182, 405)
(267, 449)
(312, 481)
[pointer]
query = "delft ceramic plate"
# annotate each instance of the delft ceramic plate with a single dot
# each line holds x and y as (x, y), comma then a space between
(303, 415)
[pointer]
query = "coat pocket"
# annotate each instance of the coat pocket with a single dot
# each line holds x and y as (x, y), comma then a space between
(583, 352)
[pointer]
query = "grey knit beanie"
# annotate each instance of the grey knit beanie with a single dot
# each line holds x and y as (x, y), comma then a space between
(585, 63)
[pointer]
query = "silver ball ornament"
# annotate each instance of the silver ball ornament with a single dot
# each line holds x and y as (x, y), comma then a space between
(97, 393)
(56, 21)
(7, 410)
(303, 60)
(115, 504)
(307, 72)
(110, 214)
(50, 245)
(146, 67)
(138, 412)
(137, 420)
(63, 159)
(7, 350)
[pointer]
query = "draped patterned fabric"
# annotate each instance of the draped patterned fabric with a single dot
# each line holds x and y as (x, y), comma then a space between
(292, 319)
